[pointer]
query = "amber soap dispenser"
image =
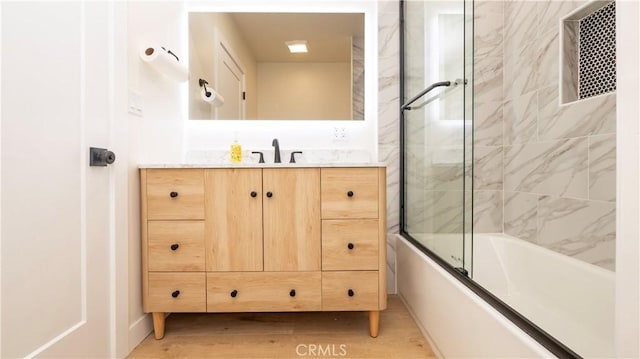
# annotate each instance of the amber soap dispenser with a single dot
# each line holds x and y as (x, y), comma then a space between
(236, 150)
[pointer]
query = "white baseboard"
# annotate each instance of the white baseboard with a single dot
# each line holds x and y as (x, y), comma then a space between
(139, 330)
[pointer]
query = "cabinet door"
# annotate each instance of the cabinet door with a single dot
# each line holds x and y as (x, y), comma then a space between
(291, 219)
(233, 224)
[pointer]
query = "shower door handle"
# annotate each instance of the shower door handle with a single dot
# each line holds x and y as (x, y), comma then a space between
(407, 106)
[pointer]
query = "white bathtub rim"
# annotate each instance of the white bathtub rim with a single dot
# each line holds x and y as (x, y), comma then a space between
(585, 325)
(527, 340)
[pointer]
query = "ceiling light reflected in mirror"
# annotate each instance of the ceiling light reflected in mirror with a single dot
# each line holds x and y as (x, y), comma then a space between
(297, 47)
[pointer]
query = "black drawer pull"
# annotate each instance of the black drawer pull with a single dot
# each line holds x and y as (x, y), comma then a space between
(292, 293)
(350, 193)
(175, 246)
(234, 293)
(175, 294)
(254, 193)
(173, 194)
(351, 293)
(350, 246)
(269, 194)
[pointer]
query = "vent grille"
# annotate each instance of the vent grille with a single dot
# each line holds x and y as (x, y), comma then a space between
(597, 52)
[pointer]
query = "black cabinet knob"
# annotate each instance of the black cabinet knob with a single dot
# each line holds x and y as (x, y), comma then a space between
(269, 194)
(234, 293)
(254, 193)
(175, 246)
(350, 193)
(292, 293)
(173, 194)
(351, 293)
(175, 294)
(350, 246)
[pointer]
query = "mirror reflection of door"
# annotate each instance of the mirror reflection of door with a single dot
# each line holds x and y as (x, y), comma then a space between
(230, 84)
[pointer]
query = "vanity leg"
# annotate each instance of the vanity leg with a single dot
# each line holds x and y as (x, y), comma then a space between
(374, 323)
(158, 324)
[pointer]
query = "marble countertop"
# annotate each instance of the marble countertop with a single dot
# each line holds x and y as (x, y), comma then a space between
(308, 158)
(260, 165)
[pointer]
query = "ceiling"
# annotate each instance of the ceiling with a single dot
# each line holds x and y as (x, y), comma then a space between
(328, 36)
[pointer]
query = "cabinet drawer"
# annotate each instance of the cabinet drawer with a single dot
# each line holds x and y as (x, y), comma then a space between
(175, 194)
(176, 292)
(350, 244)
(176, 245)
(356, 290)
(349, 193)
(263, 291)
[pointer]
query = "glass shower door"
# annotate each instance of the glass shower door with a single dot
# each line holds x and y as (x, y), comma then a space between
(436, 119)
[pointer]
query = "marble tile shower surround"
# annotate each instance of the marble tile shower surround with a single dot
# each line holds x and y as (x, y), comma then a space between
(558, 160)
(388, 118)
(487, 211)
(570, 74)
(557, 167)
(488, 102)
(602, 167)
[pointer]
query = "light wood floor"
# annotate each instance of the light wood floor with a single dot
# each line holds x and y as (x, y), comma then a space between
(288, 335)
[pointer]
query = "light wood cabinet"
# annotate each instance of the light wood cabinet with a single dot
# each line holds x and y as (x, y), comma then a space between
(175, 246)
(350, 244)
(263, 239)
(263, 291)
(350, 290)
(233, 223)
(292, 219)
(176, 292)
(175, 194)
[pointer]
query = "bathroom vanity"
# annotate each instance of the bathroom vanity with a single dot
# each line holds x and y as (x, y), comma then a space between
(274, 238)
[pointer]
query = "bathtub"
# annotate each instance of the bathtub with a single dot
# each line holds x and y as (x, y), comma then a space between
(571, 300)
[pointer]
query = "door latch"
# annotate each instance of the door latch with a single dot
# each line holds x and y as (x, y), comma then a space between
(101, 157)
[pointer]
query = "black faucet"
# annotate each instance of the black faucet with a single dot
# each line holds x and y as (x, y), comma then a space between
(275, 143)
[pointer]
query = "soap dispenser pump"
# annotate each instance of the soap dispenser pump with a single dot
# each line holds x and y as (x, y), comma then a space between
(236, 150)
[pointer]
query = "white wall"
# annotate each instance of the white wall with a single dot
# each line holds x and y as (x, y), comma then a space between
(157, 135)
(304, 90)
(628, 154)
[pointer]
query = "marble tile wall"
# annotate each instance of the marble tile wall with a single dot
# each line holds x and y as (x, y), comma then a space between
(488, 116)
(388, 120)
(543, 172)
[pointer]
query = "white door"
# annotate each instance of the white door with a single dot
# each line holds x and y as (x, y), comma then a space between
(56, 221)
(230, 85)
